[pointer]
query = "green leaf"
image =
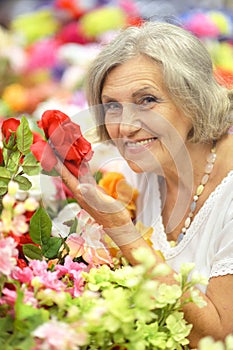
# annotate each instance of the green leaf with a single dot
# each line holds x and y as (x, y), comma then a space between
(6, 328)
(74, 226)
(30, 165)
(11, 144)
(40, 227)
(51, 249)
(31, 251)
(24, 183)
(5, 174)
(24, 136)
(12, 163)
(5, 177)
(3, 186)
(7, 324)
(27, 317)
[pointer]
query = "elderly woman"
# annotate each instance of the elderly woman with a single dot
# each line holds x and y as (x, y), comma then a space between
(156, 98)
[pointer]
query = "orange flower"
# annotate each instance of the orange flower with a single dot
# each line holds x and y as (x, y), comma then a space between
(15, 95)
(116, 186)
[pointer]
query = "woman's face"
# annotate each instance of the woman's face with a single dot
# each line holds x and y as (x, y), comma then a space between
(141, 119)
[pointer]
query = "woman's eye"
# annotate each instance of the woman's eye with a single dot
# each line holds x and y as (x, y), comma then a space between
(147, 102)
(112, 107)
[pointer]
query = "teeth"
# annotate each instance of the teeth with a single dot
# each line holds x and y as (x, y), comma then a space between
(139, 143)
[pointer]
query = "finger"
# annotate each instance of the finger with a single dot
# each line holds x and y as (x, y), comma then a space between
(98, 200)
(67, 177)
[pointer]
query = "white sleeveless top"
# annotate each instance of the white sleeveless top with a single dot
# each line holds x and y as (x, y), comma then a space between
(208, 242)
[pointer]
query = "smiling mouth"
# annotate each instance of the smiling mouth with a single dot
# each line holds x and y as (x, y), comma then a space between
(136, 144)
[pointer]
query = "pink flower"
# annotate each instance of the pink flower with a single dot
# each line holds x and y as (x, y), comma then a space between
(95, 250)
(74, 271)
(8, 255)
(55, 335)
(46, 278)
(75, 243)
(23, 275)
(42, 54)
(8, 297)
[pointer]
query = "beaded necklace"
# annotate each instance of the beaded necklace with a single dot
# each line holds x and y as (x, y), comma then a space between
(200, 188)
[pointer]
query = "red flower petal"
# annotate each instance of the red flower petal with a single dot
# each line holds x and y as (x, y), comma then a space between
(8, 126)
(44, 154)
(52, 117)
(66, 138)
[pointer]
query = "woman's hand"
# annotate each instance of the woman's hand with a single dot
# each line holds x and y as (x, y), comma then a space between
(108, 212)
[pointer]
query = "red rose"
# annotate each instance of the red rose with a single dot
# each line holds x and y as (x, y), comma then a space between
(9, 126)
(44, 154)
(66, 139)
(37, 137)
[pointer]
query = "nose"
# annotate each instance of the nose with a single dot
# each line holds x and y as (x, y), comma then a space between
(130, 122)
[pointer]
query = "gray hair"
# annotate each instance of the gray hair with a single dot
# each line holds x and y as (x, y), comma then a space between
(187, 70)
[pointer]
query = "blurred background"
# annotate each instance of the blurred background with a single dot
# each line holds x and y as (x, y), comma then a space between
(46, 46)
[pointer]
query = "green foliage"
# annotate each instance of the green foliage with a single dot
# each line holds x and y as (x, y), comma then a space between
(30, 165)
(40, 233)
(40, 227)
(24, 137)
(17, 158)
(123, 308)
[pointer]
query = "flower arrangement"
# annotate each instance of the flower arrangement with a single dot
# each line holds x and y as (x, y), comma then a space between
(76, 291)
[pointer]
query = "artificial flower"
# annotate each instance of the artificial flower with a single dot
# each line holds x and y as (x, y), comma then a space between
(44, 154)
(88, 242)
(57, 335)
(116, 186)
(8, 255)
(66, 139)
(9, 127)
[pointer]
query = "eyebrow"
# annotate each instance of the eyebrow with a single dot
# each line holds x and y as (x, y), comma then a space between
(144, 89)
(135, 94)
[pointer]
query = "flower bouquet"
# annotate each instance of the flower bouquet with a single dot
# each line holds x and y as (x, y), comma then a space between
(76, 291)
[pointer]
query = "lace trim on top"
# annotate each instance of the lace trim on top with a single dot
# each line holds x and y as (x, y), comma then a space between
(222, 268)
(170, 252)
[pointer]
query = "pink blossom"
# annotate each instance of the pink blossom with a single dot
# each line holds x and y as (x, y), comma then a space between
(38, 267)
(8, 255)
(75, 243)
(96, 252)
(43, 54)
(46, 278)
(50, 280)
(70, 267)
(74, 271)
(9, 297)
(55, 335)
(24, 275)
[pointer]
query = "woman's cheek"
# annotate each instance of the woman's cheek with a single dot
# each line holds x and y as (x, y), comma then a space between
(112, 129)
